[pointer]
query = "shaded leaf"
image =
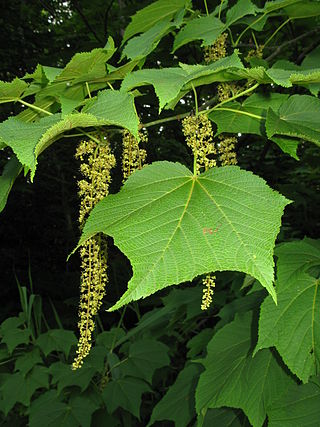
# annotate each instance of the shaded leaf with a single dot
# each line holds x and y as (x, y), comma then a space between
(49, 410)
(299, 407)
(13, 333)
(225, 417)
(145, 356)
(293, 326)
(28, 360)
(56, 340)
(20, 388)
(197, 344)
(178, 403)
(10, 172)
(125, 393)
(108, 339)
(229, 366)
(63, 376)
(163, 211)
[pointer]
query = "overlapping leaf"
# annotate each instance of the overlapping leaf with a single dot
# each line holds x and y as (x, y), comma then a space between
(28, 140)
(293, 326)
(298, 117)
(178, 403)
(300, 406)
(168, 82)
(125, 393)
(145, 356)
(174, 226)
(20, 388)
(229, 366)
(49, 410)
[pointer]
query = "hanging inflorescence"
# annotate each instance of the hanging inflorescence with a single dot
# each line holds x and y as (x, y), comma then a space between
(217, 50)
(255, 53)
(199, 137)
(226, 149)
(133, 157)
(208, 290)
(97, 162)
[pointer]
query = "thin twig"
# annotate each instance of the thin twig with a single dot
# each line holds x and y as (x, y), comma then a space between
(289, 42)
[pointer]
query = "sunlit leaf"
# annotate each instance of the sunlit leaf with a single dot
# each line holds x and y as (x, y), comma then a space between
(173, 225)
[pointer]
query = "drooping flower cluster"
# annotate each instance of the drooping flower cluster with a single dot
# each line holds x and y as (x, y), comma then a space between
(199, 137)
(208, 290)
(226, 91)
(217, 50)
(97, 162)
(226, 148)
(133, 157)
(255, 53)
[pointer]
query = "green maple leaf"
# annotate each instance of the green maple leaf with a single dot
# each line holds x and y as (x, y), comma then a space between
(293, 326)
(234, 378)
(174, 226)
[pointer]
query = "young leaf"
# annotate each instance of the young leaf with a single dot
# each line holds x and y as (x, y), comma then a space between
(178, 403)
(297, 117)
(300, 406)
(145, 356)
(125, 393)
(49, 410)
(234, 378)
(293, 326)
(160, 220)
(149, 16)
(9, 92)
(10, 172)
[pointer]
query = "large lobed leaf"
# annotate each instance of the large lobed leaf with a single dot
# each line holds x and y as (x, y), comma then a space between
(174, 226)
(293, 326)
(234, 378)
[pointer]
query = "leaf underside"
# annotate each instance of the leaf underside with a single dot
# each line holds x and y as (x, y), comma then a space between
(174, 226)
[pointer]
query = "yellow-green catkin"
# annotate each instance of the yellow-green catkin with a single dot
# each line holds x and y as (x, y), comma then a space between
(255, 53)
(226, 150)
(217, 50)
(199, 137)
(97, 162)
(133, 157)
(208, 290)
